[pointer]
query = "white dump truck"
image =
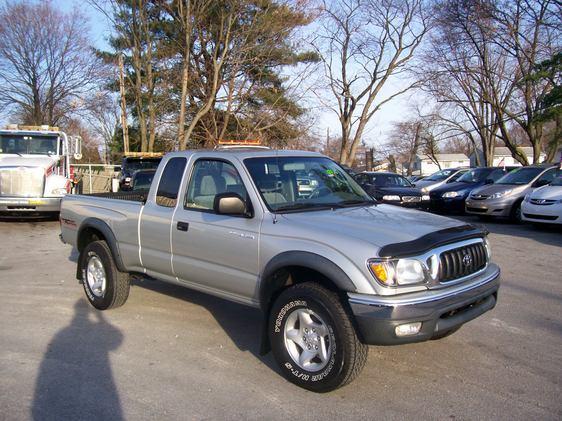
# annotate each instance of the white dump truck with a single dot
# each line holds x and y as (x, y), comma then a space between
(35, 170)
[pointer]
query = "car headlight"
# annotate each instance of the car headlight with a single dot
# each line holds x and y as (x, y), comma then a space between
(451, 194)
(127, 178)
(527, 197)
(424, 190)
(59, 192)
(391, 197)
(397, 272)
(500, 194)
(425, 197)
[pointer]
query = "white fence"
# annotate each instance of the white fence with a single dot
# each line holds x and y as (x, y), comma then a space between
(94, 178)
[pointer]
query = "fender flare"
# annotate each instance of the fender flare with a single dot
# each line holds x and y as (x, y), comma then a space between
(106, 231)
(305, 259)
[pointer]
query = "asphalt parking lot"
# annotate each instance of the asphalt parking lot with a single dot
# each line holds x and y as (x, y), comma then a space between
(175, 353)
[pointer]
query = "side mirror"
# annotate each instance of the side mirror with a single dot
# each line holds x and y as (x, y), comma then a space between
(78, 148)
(488, 181)
(230, 204)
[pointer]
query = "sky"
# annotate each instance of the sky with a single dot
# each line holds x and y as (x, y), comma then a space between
(377, 131)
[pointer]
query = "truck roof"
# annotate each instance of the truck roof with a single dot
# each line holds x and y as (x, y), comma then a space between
(244, 152)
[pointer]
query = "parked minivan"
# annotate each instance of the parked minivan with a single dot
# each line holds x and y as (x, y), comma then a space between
(504, 197)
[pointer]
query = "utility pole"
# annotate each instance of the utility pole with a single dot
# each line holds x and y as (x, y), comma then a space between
(124, 125)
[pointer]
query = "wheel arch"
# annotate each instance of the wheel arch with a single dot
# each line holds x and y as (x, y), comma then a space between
(94, 229)
(292, 267)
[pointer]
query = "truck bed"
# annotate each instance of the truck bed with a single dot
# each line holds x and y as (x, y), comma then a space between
(134, 196)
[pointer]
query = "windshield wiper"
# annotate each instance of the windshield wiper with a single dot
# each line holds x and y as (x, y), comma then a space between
(303, 206)
(357, 202)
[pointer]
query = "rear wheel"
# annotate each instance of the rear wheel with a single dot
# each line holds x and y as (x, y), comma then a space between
(105, 286)
(313, 339)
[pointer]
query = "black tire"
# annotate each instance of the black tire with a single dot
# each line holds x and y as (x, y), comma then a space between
(117, 283)
(515, 214)
(347, 355)
(444, 334)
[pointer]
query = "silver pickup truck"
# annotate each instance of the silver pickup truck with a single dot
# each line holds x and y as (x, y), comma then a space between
(332, 271)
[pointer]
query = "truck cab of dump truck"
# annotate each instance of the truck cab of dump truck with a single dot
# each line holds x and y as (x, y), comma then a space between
(35, 169)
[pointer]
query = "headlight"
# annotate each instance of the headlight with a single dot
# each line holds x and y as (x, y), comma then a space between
(425, 197)
(396, 272)
(391, 197)
(424, 189)
(59, 192)
(500, 194)
(450, 194)
(528, 197)
(127, 178)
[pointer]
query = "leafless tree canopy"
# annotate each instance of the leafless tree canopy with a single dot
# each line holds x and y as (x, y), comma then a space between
(46, 64)
(364, 43)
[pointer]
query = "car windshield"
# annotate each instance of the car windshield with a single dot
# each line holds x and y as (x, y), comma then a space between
(276, 179)
(439, 175)
(389, 180)
(520, 176)
(558, 180)
(28, 144)
(475, 176)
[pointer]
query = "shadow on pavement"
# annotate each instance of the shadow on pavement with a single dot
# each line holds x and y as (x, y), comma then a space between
(75, 379)
(241, 323)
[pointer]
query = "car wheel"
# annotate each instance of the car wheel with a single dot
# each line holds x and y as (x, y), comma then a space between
(105, 286)
(313, 339)
(515, 214)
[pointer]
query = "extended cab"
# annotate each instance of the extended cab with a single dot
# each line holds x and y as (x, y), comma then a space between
(332, 271)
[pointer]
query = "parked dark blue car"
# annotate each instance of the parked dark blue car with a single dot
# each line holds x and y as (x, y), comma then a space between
(450, 197)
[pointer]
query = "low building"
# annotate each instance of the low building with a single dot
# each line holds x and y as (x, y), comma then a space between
(503, 157)
(426, 164)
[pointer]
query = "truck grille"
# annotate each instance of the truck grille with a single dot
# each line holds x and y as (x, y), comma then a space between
(461, 262)
(22, 181)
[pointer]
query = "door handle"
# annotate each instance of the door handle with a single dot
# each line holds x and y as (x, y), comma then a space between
(182, 226)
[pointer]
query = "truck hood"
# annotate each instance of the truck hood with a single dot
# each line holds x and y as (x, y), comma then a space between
(11, 160)
(379, 225)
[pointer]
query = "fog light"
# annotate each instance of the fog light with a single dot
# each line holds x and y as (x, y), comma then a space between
(408, 329)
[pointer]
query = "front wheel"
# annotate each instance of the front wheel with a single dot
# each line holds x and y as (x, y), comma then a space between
(515, 215)
(313, 339)
(105, 286)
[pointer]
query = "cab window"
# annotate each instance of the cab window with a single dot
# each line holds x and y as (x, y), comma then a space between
(210, 178)
(167, 194)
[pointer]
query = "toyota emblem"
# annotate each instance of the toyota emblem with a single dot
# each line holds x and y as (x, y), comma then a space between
(467, 260)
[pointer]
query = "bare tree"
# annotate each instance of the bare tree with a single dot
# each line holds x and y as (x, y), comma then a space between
(46, 65)
(364, 44)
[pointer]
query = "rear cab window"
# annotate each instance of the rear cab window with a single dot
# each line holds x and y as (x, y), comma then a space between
(169, 186)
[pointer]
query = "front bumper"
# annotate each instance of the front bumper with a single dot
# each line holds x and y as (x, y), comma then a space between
(490, 207)
(547, 214)
(29, 206)
(438, 310)
(445, 205)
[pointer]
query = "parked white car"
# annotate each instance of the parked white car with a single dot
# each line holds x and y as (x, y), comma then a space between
(544, 205)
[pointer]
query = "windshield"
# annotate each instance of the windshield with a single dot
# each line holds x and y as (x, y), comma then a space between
(28, 144)
(558, 180)
(520, 176)
(276, 179)
(475, 176)
(389, 180)
(439, 175)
